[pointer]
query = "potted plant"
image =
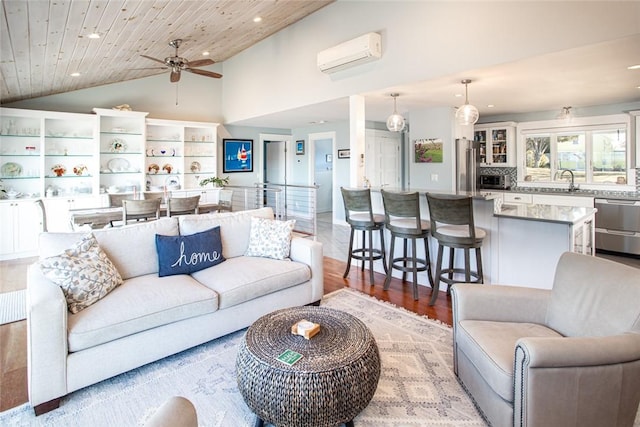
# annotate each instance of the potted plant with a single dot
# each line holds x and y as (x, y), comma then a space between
(216, 181)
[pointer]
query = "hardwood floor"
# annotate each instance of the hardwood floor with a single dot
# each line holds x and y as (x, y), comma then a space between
(13, 336)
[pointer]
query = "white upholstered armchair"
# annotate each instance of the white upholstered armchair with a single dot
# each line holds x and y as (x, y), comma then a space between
(569, 356)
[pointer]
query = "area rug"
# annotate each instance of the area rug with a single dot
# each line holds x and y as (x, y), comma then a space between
(13, 306)
(417, 386)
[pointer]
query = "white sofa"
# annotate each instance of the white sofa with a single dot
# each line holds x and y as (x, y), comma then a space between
(150, 317)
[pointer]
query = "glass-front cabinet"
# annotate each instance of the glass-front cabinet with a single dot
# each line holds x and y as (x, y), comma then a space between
(45, 153)
(122, 150)
(496, 144)
(179, 154)
(73, 160)
(20, 151)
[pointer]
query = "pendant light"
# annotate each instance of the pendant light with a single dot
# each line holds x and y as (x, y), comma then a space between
(395, 122)
(467, 114)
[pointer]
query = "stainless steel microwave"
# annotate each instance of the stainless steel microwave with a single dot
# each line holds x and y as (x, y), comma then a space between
(497, 182)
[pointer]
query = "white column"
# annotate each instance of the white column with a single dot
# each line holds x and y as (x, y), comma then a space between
(356, 140)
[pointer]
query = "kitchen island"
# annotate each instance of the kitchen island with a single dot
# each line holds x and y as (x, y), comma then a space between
(532, 237)
(523, 243)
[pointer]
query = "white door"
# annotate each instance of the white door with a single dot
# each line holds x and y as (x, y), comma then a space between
(323, 163)
(322, 148)
(275, 164)
(382, 159)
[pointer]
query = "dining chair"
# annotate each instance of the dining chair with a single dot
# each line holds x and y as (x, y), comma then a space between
(140, 210)
(149, 195)
(225, 200)
(115, 201)
(452, 225)
(182, 205)
(43, 214)
(403, 220)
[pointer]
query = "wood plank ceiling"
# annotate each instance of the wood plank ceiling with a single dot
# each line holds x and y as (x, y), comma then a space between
(43, 42)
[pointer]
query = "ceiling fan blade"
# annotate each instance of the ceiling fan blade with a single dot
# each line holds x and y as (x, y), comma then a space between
(149, 68)
(175, 76)
(153, 59)
(204, 73)
(200, 62)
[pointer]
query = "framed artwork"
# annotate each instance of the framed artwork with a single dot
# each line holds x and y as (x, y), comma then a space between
(329, 158)
(237, 155)
(428, 150)
(344, 154)
(300, 147)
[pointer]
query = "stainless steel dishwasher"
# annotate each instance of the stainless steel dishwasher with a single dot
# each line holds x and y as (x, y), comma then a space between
(618, 225)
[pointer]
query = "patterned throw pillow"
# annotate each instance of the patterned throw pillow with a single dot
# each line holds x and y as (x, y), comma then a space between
(84, 272)
(188, 254)
(270, 238)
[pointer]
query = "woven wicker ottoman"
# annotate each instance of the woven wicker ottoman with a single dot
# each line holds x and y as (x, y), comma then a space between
(333, 381)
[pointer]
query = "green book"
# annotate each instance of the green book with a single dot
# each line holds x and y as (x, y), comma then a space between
(289, 357)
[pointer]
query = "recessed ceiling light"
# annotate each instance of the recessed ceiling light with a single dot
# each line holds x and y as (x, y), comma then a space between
(490, 106)
(257, 19)
(634, 67)
(94, 36)
(205, 53)
(76, 74)
(458, 95)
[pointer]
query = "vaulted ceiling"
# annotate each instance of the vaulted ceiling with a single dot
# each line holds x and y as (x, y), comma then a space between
(43, 42)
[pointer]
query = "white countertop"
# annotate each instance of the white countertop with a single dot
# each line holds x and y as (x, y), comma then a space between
(482, 195)
(546, 213)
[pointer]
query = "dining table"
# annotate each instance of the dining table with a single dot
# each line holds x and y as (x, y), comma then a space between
(100, 217)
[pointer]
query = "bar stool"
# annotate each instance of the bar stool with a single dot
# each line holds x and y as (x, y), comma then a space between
(452, 225)
(402, 219)
(359, 215)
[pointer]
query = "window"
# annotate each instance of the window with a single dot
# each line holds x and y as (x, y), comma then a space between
(596, 154)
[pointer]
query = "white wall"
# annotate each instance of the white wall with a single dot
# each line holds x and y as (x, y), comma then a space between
(199, 98)
(427, 124)
(421, 40)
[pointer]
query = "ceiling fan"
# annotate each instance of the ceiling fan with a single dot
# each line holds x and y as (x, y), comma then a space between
(178, 64)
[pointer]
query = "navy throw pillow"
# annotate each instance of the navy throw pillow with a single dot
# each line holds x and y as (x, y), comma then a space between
(188, 254)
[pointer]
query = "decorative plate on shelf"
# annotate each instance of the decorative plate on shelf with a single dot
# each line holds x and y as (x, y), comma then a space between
(118, 164)
(153, 168)
(195, 167)
(167, 168)
(80, 169)
(163, 152)
(11, 169)
(118, 145)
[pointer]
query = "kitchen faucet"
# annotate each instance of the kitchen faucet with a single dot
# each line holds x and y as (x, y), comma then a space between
(572, 186)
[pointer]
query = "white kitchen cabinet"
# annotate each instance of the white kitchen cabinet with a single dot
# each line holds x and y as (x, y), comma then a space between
(517, 198)
(57, 209)
(563, 200)
(584, 234)
(496, 144)
(20, 224)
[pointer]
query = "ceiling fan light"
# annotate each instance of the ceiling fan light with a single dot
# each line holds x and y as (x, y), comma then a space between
(395, 122)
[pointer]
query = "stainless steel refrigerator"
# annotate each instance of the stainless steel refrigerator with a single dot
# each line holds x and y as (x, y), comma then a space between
(467, 164)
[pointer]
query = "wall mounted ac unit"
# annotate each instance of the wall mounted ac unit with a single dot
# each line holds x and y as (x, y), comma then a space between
(362, 49)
